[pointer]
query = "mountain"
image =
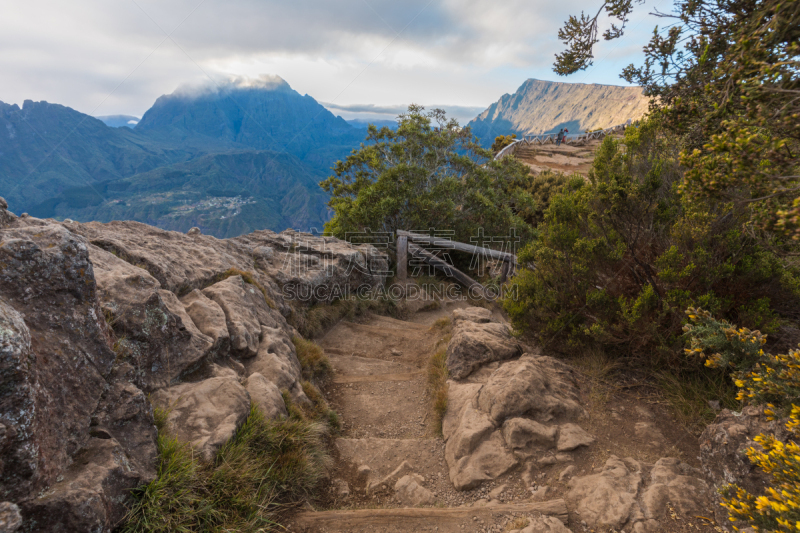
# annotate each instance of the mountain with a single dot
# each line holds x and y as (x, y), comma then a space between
(119, 121)
(47, 148)
(231, 159)
(545, 106)
(225, 195)
(265, 114)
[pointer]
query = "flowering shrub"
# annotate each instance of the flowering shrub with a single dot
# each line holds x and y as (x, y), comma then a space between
(762, 378)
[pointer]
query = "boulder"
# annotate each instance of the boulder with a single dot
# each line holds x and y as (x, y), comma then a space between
(474, 344)
(537, 386)
(157, 336)
(458, 395)
(245, 310)
(474, 427)
(723, 447)
(54, 362)
(623, 495)
(410, 491)
(478, 315)
(209, 318)
(205, 414)
(676, 484)
(489, 460)
(266, 395)
(571, 436)
(90, 495)
(608, 499)
(520, 433)
(10, 517)
(277, 361)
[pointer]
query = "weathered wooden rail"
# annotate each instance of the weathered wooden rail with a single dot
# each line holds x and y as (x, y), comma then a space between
(406, 244)
(550, 138)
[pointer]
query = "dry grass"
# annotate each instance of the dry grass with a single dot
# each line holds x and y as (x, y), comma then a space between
(314, 321)
(247, 277)
(442, 324)
(599, 370)
(315, 365)
(688, 395)
(518, 523)
(437, 384)
(266, 466)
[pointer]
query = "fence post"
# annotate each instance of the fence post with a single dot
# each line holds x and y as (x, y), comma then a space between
(402, 257)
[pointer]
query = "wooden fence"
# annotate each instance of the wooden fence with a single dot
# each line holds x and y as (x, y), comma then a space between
(407, 245)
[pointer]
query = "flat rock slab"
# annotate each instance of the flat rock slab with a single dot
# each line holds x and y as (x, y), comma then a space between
(443, 520)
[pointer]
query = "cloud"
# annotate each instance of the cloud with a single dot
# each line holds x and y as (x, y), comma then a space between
(371, 112)
(105, 57)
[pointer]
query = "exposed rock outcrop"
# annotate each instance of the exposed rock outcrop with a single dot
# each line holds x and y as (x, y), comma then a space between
(622, 493)
(476, 341)
(94, 318)
(723, 452)
(523, 410)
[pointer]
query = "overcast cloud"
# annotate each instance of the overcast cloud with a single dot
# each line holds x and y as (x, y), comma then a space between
(363, 58)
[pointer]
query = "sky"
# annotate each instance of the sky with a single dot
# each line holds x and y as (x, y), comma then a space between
(361, 58)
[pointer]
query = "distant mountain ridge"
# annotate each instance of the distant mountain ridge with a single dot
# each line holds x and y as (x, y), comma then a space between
(230, 159)
(544, 106)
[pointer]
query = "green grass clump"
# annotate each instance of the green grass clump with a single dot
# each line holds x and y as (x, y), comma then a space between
(314, 363)
(437, 381)
(265, 466)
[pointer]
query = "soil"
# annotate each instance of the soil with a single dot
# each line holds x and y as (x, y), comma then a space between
(564, 158)
(379, 388)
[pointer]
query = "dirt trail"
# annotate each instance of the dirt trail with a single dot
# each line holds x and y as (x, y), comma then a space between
(379, 388)
(563, 158)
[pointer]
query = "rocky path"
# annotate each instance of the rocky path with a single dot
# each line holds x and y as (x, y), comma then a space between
(388, 436)
(524, 448)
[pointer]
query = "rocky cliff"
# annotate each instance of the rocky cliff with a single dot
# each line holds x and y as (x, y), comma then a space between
(100, 322)
(543, 106)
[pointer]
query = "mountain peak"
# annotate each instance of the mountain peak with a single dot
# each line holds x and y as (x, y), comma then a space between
(221, 88)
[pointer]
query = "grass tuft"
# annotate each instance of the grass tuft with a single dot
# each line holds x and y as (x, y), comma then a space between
(437, 382)
(688, 396)
(314, 363)
(265, 466)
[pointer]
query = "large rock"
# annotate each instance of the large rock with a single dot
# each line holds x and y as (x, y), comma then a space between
(723, 448)
(621, 494)
(90, 495)
(266, 395)
(489, 460)
(53, 363)
(410, 491)
(525, 408)
(76, 437)
(277, 361)
(245, 310)
(209, 318)
(474, 344)
(156, 334)
(537, 386)
(205, 414)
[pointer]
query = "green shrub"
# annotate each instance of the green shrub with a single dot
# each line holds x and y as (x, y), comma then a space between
(501, 141)
(619, 257)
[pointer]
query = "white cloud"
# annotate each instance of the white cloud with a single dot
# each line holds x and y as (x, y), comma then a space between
(107, 58)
